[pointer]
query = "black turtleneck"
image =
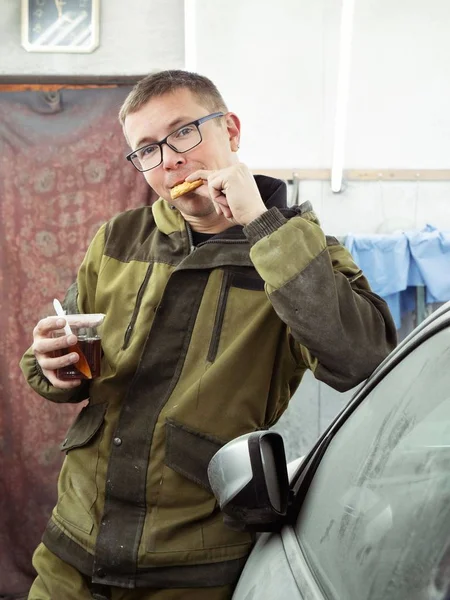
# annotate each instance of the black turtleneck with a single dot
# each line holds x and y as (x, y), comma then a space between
(198, 237)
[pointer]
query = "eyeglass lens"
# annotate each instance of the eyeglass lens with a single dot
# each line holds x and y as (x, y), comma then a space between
(181, 140)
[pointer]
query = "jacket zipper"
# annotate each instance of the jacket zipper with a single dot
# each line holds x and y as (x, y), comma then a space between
(218, 322)
(137, 306)
(224, 290)
(190, 238)
(221, 241)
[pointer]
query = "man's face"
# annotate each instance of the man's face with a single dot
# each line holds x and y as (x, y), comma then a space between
(163, 115)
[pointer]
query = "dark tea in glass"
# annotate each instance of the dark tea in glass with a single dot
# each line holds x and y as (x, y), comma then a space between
(85, 327)
(92, 350)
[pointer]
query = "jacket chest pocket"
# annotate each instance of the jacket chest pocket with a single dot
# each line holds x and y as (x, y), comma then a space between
(85, 426)
(238, 278)
(188, 452)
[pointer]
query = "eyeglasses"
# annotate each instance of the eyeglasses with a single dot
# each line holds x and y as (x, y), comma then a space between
(183, 139)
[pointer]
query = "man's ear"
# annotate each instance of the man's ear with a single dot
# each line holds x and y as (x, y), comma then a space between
(234, 130)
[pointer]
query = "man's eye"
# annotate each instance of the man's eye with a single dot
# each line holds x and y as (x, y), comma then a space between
(185, 131)
(147, 151)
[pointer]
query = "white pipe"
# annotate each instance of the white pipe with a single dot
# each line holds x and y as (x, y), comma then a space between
(190, 41)
(345, 46)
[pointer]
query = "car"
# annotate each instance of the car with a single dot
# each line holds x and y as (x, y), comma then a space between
(365, 515)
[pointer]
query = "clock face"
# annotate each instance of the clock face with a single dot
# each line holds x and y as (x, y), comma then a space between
(60, 25)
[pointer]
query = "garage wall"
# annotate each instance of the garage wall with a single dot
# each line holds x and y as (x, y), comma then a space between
(135, 37)
(277, 66)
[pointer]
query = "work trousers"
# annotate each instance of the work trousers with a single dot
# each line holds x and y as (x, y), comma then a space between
(57, 580)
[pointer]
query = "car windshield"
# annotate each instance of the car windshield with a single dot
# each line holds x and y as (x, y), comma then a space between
(375, 523)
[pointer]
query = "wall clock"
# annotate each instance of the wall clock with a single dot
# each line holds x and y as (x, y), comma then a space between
(60, 25)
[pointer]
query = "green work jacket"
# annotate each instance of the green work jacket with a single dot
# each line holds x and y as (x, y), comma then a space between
(201, 344)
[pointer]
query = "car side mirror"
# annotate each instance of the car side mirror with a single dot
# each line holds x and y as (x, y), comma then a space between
(249, 478)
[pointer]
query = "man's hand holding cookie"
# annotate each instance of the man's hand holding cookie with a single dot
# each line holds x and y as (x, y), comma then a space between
(233, 191)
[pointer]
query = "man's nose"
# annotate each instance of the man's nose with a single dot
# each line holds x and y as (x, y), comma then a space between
(170, 158)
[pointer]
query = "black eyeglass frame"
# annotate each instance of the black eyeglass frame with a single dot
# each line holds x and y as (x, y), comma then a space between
(197, 122)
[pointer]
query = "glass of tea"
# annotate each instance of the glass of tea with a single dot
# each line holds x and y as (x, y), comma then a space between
(88, 331)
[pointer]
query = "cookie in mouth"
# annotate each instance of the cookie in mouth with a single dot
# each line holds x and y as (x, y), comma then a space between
(184, 188)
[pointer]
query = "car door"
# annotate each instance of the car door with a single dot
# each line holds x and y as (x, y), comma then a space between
(371, 513)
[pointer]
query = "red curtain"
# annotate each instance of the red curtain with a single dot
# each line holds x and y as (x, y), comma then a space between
(62, 174)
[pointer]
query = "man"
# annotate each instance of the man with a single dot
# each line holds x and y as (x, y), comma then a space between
(216, 303)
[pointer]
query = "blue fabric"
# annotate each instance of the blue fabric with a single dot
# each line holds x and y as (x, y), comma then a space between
(430, 251)
(397, 263)
(385, 261)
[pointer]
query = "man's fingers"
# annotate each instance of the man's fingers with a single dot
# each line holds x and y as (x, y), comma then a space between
(218, 208)
(227, 212)
(59, 383)
(44, 345)
(213, 179)
(51, 363)
(220, 201)
(200, 174)
(223, 209)
(47, 325)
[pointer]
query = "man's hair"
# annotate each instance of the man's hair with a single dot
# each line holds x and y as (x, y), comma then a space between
(165, 82)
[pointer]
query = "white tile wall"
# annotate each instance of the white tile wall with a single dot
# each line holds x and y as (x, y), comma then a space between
(379, 206)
